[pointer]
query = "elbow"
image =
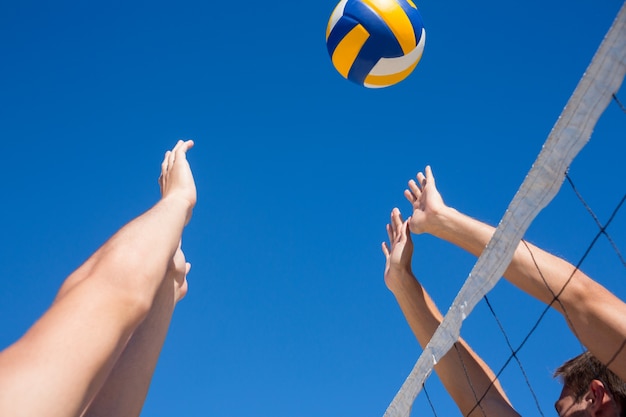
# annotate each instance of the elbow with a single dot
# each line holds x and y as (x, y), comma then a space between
(129, 283)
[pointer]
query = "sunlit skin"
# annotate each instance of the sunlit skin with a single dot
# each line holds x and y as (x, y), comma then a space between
(424, 317)
(596, 402)
(567, 406)
(593, 312)
(94, 351)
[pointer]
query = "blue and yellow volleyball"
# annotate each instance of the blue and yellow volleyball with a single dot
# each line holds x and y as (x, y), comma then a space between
(375, 43)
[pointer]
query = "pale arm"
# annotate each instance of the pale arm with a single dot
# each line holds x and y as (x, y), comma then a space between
(593, 313)
(125, 390)
(466, 377)
(58, 366)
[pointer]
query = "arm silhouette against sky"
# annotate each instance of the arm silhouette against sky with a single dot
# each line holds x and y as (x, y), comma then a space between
(124, 292)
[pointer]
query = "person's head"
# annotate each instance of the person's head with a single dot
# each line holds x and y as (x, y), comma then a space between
(589, 389)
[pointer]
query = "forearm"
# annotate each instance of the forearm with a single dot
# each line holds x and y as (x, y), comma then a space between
(126, 387)
(135, 258)
(532, 269)
(593, 313)
(144, 247)
(66, 356)
(88, 325)
(463, 373)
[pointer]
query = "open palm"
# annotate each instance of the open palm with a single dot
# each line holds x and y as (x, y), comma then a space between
(426, 201)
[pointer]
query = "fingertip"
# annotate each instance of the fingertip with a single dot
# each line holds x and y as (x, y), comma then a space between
(414, 188)
(407, 227)
(389, 232)
(183, 146)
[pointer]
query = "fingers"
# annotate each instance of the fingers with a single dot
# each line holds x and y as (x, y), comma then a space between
(409, 196)
(385, 249)
(395, 230)
(421, 180)
(178, 152)
(429, 175)
(392, 229)
(391, 233)
(413, 193)
(181, 148)
(163, 170)
(416, 188)
(396, 219)
(429, 178)
(406, 231)
(165, 162)
(171, 157)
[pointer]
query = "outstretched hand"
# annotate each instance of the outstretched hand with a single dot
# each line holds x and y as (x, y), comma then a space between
(176, 179)
(426, 202)
(399, 252)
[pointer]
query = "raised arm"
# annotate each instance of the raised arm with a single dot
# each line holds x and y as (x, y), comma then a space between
(468, 380)
(126, 387)
(59, 365)
(593, 313)
(147, 244)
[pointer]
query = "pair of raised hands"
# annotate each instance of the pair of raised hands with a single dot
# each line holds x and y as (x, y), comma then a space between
(427, 203)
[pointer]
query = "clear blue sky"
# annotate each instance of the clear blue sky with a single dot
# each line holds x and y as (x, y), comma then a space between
(297, 170)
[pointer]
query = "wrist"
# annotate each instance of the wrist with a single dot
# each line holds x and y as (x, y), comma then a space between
(441, 222)
(399, 279)
(180, 204)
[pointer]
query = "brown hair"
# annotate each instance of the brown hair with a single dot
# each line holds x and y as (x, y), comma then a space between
(578, 372)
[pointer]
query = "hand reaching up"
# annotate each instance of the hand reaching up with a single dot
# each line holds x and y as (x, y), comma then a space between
(176, 179)
(426, 201)
(399, 252)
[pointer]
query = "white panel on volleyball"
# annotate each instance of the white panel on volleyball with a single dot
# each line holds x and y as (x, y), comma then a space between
(390, 66)
(337, 13)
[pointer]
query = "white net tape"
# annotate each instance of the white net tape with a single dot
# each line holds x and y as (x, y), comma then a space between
(568, 136)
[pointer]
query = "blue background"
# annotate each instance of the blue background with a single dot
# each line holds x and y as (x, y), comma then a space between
(297, 170)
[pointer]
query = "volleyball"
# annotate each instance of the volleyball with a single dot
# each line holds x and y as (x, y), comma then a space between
(375, 43)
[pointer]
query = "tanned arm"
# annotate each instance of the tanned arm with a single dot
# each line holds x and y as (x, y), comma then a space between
(466, 377)
(595, 315)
